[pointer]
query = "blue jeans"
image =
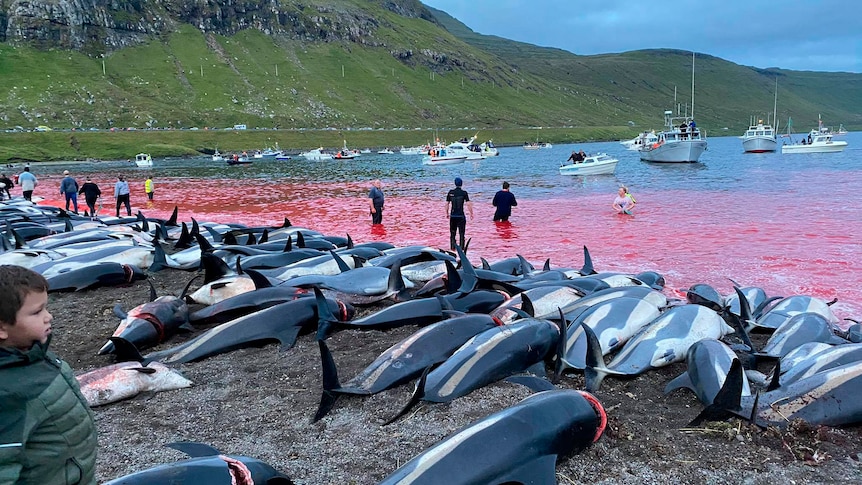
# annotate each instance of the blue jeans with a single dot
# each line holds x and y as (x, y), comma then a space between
(72, 196)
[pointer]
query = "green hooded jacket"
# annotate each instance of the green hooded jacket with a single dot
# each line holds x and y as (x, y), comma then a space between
(47, 432)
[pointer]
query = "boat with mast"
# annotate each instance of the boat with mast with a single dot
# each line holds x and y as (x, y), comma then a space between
(677, 144)
(760, 138)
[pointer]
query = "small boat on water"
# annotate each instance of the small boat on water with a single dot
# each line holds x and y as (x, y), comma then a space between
(282, 156)
(441, 156)
(217, 157)
(365, 150)
(414, 150)
(385, 151)
(817, 142)
(272, 152)
(236, 159)
(143, 160)
(536, 145)
(637, 142)
(346, 153)
(316, 155)
(841, 130)
(598, 164)
(759, 138)
(488, 149)
(465, 147)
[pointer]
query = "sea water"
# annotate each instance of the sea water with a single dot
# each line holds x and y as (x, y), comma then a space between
(788, 223)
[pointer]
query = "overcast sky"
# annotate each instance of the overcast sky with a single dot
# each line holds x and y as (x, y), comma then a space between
(812, 35)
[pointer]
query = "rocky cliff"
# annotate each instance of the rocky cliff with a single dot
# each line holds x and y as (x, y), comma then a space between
(101, 26)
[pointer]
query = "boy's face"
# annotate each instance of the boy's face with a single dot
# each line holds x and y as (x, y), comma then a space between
(32, 323)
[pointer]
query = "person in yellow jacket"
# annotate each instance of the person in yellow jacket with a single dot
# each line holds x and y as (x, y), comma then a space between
(148, 187)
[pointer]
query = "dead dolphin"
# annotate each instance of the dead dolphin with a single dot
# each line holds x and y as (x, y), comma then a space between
(152, 323)
(520, 444)
(123, 380)
(708, 362)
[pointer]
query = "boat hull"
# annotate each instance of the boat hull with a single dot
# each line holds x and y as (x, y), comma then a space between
(686, 151)
(444, 160)
(759, 145)
(835, 146)
(597, 168)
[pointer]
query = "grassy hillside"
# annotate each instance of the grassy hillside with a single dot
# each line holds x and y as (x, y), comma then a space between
(412, 74)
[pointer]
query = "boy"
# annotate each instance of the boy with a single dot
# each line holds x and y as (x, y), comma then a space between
(47, 432)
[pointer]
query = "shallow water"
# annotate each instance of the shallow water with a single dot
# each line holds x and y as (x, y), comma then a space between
(787, 223)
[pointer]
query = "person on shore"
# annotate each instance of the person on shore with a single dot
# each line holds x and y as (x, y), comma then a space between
(456, 200)
(69, 188)
(7, 182)
(47, 430)
(121, 193)
(148, 187)
(91, 193)
(28, 183)
(623, 204)
(375, 201)
(503, 201)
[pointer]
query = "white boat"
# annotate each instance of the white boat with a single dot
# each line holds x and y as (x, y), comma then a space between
(635, 144)
(366, 150)
(759, 138)
(272, 152)
(385, 151)
(282, 156)
(420, 150)
(673, 144)
(346, 153)
(818, 141)
(465, 147)
(677, 144)
(762, 138)
(841, 130)
(598, 164)
(257, 154)
(217, 157)
(440, 156)
(143, 160)
(488, 149)
(536, 146)
(316, 155)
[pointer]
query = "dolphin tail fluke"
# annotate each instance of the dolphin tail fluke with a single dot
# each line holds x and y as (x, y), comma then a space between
(330, 382)
(396, 283)
(531, 382)
(727, 401)
(588, 268)
(453, 278)
(417, 396)
(746, 321)
(680, 382)
(595, 370)
(470, 280)
(287, 337)
(561, 347)
(20, 243)
(325, 318)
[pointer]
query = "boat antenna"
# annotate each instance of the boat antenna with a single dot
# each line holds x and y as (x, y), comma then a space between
(692, 84)
(775, 107)
(674, 100)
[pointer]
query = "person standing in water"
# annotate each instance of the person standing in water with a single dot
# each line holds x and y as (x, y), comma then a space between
(623, 203)
(91, 193)
(375, 202)
(456, 200)
(503, 201)
(121, 193)
(148, 187)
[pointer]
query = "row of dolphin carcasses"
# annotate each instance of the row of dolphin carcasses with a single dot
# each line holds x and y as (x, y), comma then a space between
(634, 321)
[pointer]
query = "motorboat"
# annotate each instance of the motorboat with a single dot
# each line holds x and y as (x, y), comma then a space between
(345, 154)
(282, 156)
(316, 155)
(419, 150)
(598, 164)
(759, 138)
(143, 160)
(818, 141)
(236, 160)
(762, 138)
(675, 144)
(385, 151)
(841, 130)
(272, 152)
(257, 154)
(536, 145)
(465, 147)
(365, 150)
(488, 149)
(635, 144)
(441, 156)
(217, 157)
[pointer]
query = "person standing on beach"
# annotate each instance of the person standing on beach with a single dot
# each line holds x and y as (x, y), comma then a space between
(456, 200)
(504, 201)
(375, 201)
(8, 184)
(121, 193)
(69, 188)
(28, 183)
(91, 192)
(148, 187)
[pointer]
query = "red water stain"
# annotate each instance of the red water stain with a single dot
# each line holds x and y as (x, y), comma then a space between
(708, 237)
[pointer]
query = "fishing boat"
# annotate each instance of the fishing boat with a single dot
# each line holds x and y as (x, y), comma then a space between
(817, 142)
(598, 164)
(272, 152)
(760, 138)
(346, 153)
(683, 143)
(440, 156)
(635, 144)
(143, 160)
(239, 159)
(282, 156)
(316, 155)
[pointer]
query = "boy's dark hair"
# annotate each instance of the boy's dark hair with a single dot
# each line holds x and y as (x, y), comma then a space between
(16, 282)
(505, 185)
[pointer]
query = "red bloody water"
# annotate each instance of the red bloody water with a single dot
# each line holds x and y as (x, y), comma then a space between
(788, 249)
